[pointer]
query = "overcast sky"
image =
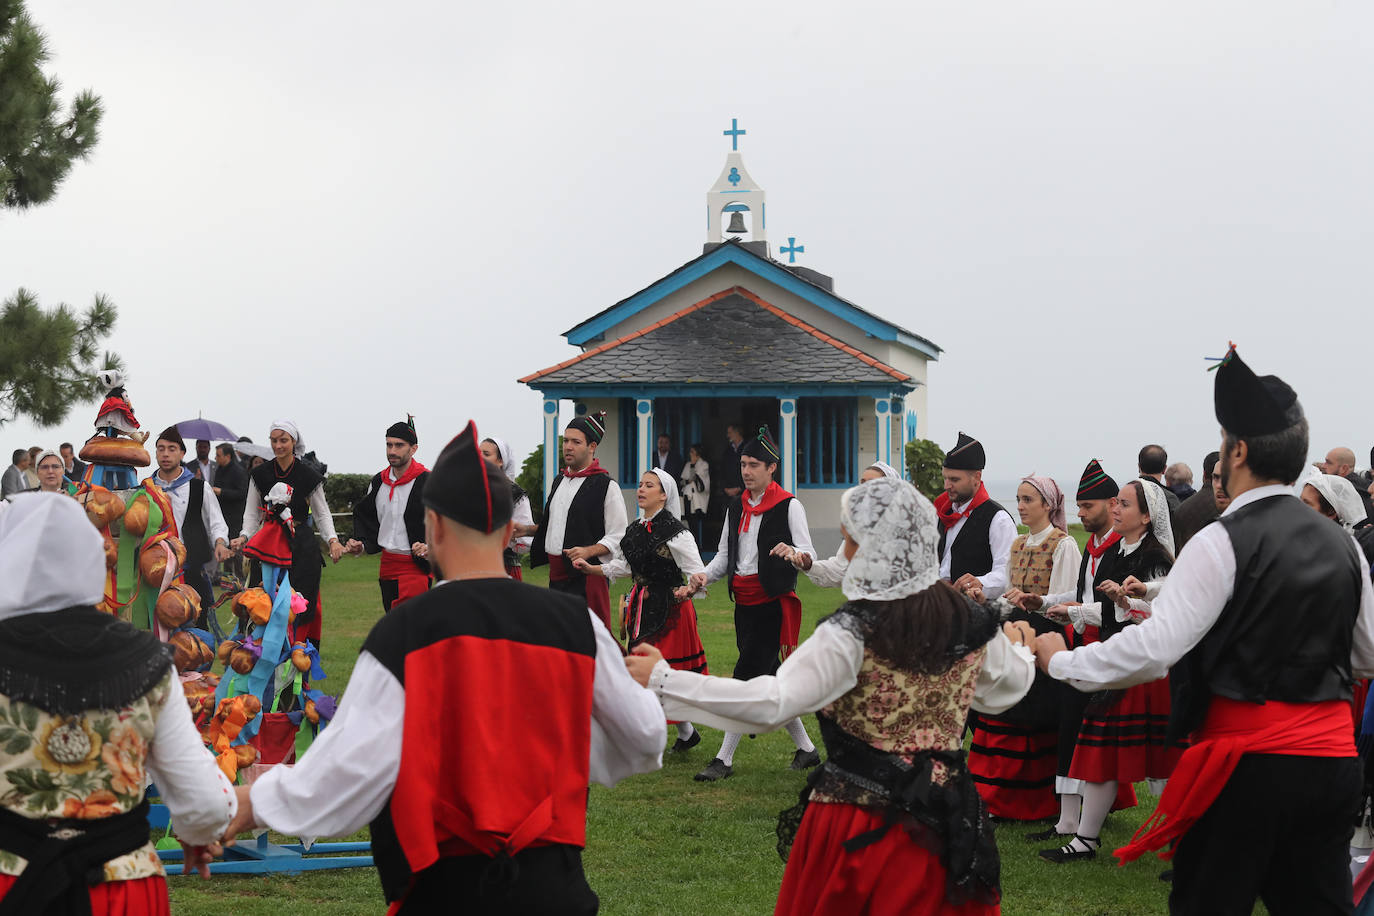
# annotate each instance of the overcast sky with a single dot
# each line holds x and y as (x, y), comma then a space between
(342, 212)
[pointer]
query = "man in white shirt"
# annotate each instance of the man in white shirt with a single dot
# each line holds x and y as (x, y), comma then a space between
(1262, 626)
(390, 518)
(200, 524)
(584, 518)
(975, 532)
(764, 540)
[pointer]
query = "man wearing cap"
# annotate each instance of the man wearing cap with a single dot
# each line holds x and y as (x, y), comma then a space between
(391, 518)
(1265, 620)
(975, 532)
(195, 509)
(583, 519)
(495, 825)
(764, 535)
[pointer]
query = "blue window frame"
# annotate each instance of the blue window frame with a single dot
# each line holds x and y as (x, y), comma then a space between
(629, 443)
(827, 442)
(680, 418)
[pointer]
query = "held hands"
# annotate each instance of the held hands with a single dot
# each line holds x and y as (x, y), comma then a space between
(967, 583)
(1133, 587)
(1115, 592)
(641, 661)
(1046, 647)
(222, 551)
(354, 547)
(198, 858)
(587, 569)
(789, 553)
(579, 553)
(419, 549)
(1059, 613)
(1023, 600)
(336, 550)
(243, 819)
(695, 583)
(237, 543)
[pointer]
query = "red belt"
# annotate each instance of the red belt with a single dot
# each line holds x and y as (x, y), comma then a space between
(748, 592)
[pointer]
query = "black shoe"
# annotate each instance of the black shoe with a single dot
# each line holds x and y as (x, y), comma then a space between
(1040, 836)
(805, 760)
(686, 744)
(716, 769)
(1067, 853)
(1167, 875)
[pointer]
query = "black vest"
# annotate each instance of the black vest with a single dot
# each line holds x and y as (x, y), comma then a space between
(367, 523)
(1147, 563)
(586, 518)
(1286, 633)
(972, 551)
(193, 533)
(306, 559)
(776, 575)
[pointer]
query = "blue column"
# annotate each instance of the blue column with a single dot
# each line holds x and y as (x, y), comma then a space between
(882, 416)
(787, 442)
(551, 456)
(644, 454)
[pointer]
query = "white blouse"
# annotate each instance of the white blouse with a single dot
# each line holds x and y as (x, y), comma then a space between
(682, 545)
(319, 509)
(829, 573)
(824, 668)
(1066, 560)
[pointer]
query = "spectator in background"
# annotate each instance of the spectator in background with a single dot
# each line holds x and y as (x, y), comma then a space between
(696, 492)
(74, 468)
(231, 489)
(1151, 463)
(203, 466)
(667, 459)
(31, 470)
(1340, 462)
(1199, 510)
(1179, 478)
(731, 483)
(49, 469)
(14, 479)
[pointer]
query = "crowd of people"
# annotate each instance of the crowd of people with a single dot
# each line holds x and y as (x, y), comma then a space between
(1211, 643)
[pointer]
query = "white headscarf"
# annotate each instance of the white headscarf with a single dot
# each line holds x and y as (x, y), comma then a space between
(896, 531)
(51, 556)
(674, 504)
(507, 459)
(289, 427)
(1342, 496)
(888, 470)
(1158, 508)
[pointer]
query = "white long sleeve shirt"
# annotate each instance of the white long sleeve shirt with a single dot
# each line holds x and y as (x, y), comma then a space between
(210, 515)
(319, 510)
(824, 668)
(1001, 532)
(682, 545)
(1188, 605)
(829, 573)
(391, 517)
(748, 562)
(613, 512)
(349, 772)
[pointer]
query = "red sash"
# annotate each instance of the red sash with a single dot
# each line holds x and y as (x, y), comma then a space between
(1233, 729)
(598, 590)
(749, 592)
(411, 580)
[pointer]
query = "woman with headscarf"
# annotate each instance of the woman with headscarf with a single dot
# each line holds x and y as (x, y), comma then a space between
(49, 468)
(498, 452)
(307, 505)
(1124, 734)
(829, 573)
(93, 710)
(891, 823)
(659, 553)
(1014, 757)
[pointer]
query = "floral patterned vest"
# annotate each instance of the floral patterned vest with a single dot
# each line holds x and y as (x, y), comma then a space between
(89, 765)
(1030, 567)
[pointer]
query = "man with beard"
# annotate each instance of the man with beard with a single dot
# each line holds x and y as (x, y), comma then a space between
(390, 518)
(1263, 625)
(975, 532)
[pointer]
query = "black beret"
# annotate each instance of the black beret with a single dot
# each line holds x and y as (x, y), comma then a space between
(1095, 484)
(762, 447)
(406, 430)
(466, 487)
(1252, 405)
(171, 434)
(593, 425)
(967, 455)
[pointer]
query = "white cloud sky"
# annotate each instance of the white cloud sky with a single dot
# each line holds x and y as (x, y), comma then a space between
(341, 212)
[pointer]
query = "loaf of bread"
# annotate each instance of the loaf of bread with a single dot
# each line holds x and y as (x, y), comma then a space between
(104, 450)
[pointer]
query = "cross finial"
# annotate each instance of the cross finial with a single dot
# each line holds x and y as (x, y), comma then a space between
(734, 133)
(792, 249)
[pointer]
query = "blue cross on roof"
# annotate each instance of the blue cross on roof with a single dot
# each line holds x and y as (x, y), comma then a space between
(792, 249)
(734, 133)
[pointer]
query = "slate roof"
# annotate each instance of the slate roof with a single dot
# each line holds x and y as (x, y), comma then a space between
(732, 337)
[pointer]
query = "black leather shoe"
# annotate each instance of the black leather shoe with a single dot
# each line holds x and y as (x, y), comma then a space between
(1067, 853)
(1040, 836)
(716, 769)
(805, 760)
(686, 744)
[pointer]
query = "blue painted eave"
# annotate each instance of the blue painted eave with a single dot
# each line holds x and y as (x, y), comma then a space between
(573, 392)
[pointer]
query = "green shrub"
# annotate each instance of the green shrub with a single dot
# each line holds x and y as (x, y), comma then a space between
(924, 462)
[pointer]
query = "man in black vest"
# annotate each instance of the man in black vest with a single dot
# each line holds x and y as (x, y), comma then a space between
(200, 524)
(1266, 620)
(975, 532)
(765, 527)
(584, 518)
(390, 519)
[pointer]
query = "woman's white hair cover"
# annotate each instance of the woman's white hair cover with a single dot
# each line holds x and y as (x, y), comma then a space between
(895, 528)
(51, 556)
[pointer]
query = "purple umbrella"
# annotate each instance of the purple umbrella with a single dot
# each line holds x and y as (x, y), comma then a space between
(201, 428)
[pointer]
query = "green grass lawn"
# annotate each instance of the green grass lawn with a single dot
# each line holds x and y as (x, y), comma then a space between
(661, 843)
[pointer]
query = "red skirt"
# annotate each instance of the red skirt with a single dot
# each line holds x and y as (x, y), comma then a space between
(892, 876)
(137, 897)
(1013, 769)
(679, 641)
(514, 573)
(1127, 742)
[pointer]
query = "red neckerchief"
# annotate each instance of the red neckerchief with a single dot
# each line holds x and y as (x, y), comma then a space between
(771, 497)
(415, 470)
(590, 470)
(948, 517)
(1097, 552)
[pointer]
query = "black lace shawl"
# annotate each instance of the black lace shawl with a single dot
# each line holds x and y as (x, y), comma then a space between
(76, 659)
(655, 572)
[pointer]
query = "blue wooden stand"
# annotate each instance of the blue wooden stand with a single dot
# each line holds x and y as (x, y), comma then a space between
(260, 857)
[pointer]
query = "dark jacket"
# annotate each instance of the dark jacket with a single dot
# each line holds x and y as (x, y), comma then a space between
(1196, 512)
(232, 481)
(728, 475)
(672, 465)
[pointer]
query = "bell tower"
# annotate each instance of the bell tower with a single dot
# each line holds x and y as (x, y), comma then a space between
(735, 206)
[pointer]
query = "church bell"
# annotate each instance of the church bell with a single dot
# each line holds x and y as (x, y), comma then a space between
(736, 223)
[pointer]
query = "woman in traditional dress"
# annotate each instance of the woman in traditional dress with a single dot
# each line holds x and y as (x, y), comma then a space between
(659, 552)
(696, 492)
(93, 710)
(498, 452)
(829, 573)
(1124, 733)
(894, 823)
(307, 505)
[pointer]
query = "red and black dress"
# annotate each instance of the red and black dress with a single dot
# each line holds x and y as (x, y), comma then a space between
(660, 553)
(306, 559)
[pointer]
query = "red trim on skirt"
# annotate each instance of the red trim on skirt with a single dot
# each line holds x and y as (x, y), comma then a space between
(411, 581)
(892, 876)
(680, 643)
(135, 897)
(1013, 769)
(1128, 742)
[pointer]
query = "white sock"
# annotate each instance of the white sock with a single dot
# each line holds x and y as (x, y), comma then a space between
(685, 730)
(1070, 813)
(1098, 798)
(727, 747)
(800, 738)
(1083, 844)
